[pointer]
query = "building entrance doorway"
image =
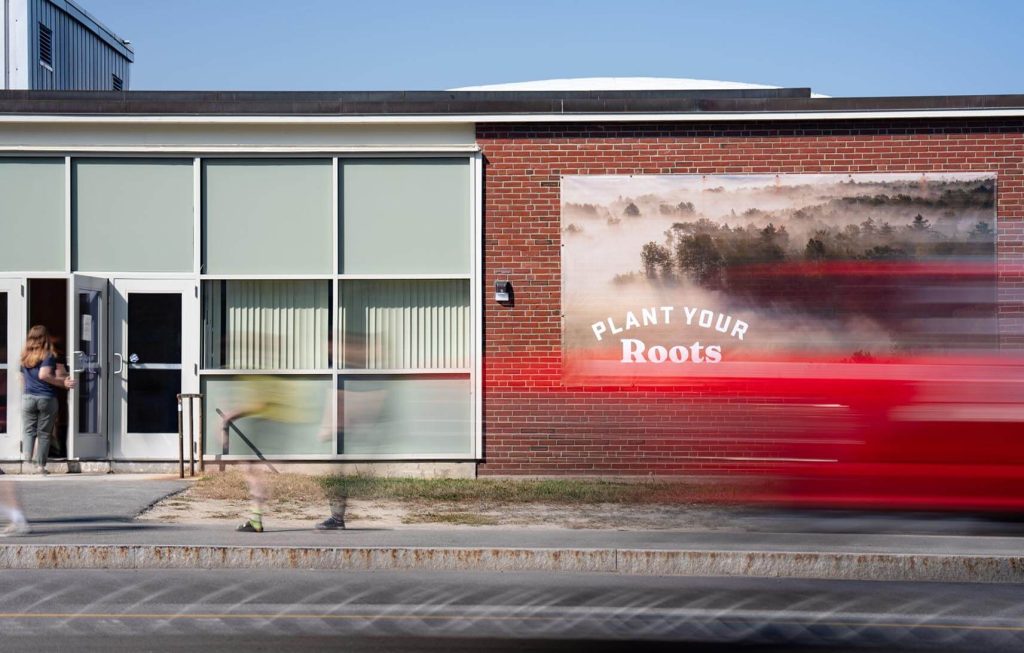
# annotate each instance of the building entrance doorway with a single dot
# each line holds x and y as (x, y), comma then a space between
(25, 303)
(47, 304)
(131, 344)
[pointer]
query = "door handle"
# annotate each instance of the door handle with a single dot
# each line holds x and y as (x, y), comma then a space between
(75, 357)
(120, 363)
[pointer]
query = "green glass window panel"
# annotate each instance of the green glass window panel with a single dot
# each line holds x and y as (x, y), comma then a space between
(266, 325)
(285, 415)
(132, 215)
(422, 414)
(267, 216)
(32, 215)
(405, 324)
(405, 216)
(3, 362)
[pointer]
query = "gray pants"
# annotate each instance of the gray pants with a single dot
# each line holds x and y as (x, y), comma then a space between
(37, 414)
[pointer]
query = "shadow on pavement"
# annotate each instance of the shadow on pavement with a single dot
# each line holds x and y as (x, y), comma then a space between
(85, 519)
(39, 528)
(878, 523)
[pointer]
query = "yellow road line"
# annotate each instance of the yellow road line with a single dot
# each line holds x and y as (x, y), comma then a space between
(352, 617)
(203, 615)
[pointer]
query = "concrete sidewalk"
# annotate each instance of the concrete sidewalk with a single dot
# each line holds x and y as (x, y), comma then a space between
(101, 533)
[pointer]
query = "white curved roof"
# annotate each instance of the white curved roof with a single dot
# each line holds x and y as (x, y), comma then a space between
(621, 84)
(616, 84)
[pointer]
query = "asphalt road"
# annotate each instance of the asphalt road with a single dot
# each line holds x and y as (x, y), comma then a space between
(86, 610)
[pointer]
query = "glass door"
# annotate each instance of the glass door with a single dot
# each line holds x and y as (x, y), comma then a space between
(153, 334)
(88, 362)
(12, 333)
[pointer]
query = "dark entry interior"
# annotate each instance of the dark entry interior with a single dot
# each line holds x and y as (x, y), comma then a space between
(48, 305)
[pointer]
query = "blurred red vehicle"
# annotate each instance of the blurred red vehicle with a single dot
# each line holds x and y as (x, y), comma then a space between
(936, 424)
(912, 434)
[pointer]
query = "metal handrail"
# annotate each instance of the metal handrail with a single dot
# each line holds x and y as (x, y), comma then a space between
(191, 435)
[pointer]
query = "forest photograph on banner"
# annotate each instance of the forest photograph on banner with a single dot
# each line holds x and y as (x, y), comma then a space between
(680, 275)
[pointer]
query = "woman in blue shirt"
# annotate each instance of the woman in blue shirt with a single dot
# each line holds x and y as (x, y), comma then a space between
(40, 376)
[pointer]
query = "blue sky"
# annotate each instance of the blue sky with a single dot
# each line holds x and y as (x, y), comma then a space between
(843, 48)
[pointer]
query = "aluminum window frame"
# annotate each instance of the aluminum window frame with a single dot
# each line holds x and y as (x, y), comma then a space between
(197, 276)
(336, 277)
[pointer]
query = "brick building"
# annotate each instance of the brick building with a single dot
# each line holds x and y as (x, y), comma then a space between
(607, 214)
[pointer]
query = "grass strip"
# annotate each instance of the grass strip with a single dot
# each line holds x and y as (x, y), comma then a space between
(455, 518)
(297, 487)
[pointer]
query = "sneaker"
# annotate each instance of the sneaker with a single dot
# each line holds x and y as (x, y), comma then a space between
(332, 523)
(250, 526)
(16, 528)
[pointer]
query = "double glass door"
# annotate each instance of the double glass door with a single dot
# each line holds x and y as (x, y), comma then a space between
(134, 348)
(131, 367)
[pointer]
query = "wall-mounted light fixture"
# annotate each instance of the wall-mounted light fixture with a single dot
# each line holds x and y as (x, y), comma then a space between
(503, 292)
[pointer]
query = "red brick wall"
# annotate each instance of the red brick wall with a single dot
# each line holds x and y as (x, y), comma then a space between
(535, 425)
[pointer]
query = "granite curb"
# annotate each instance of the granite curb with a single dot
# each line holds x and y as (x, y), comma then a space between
(910, 567)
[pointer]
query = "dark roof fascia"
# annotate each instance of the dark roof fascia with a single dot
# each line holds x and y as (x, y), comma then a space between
(474, 103)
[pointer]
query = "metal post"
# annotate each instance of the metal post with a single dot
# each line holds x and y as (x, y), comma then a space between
(181, 443)
(202, 437)
(191, 437)
(193, 399)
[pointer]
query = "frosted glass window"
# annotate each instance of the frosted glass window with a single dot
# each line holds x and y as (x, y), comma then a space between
(32, 215)
(405, 324)
(266, 325)
(267, 216)
(402, 216)
(287, 415)
(3, 362)
(423, 414)
(3, 400)
(132, 215)
(3, 330)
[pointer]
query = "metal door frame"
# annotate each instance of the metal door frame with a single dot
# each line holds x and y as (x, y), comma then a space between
(149, 446)
(89, 446)
(10, 442)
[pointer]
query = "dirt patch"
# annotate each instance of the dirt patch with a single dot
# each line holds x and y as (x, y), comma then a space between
(454, 518)
(230, 485)
(301, 502)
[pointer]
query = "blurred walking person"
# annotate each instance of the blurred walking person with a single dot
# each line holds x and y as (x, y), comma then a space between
(41, 376)
(364, 412)
(275, 407)
(10, 507)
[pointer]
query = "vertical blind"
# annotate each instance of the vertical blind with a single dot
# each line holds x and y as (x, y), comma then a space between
(405, 324)
(266, 325)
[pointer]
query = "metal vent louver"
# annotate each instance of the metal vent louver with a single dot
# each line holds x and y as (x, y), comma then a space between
(117, 83)
(45, 46)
